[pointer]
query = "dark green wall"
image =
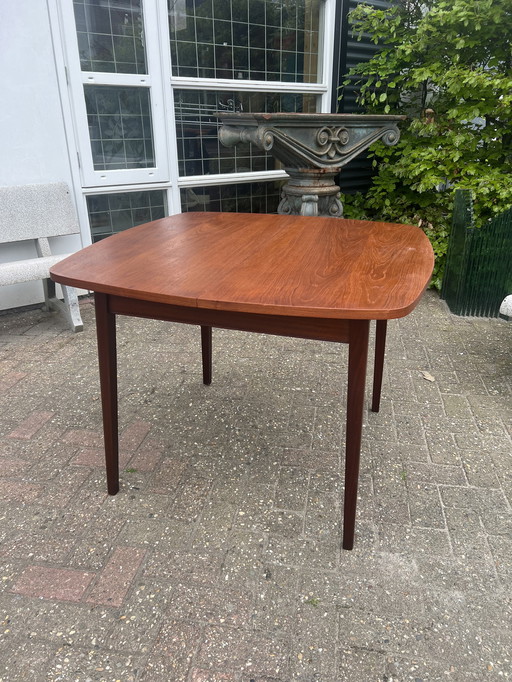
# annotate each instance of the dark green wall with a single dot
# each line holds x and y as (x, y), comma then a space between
(349, 52)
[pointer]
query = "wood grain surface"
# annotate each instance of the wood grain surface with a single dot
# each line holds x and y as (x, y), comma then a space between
(259, 263)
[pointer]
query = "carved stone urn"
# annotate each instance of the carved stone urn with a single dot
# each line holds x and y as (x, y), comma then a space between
(312, 148)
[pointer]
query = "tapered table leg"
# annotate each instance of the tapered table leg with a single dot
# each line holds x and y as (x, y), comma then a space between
(107, 357)
(357, 359)
(378, 368)
(206, 351)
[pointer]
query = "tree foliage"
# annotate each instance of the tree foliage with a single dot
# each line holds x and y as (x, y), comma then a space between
(448, 66)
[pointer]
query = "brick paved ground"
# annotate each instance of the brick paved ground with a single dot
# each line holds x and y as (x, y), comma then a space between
(220, 560)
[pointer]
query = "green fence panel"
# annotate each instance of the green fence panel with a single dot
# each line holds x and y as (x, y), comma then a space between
(478, 272)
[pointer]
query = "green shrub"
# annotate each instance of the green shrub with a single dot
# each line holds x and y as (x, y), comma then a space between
(448, 66)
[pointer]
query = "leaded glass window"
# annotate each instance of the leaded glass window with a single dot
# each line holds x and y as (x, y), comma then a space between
(147, 80)
(110, 35)
(199, 149)
(272, 40)
(253, 197)
(120, 129)
(110, 213)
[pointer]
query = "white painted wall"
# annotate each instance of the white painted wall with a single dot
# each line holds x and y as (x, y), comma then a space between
(33, 147)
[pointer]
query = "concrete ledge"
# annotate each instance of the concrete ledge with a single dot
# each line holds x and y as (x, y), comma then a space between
(28, 270)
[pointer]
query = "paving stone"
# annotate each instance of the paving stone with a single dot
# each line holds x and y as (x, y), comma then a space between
(84, 438)
(323, 515)
(480, 499)
(458, 573)
(116, 577)
(94, 665)
(10, 379)
(413, 541)
(198, 567)
(313, 651)
(38, 543)
(147, 456)
(425, 505)
(94, 546)
(63, 623)
(326, 482)
(415, 669)
(292, 487)
(442, 448)
(64, 487)
(204, 603)
(243, 650)
(422, 472)
(409, 429)
(389, 586)
(360, 665)
(328, 429)
(15, 466)
(496, 522)
(384, 635)
(457, 406)
(167, 476)
(20, 491)
(220, 559)
(391, 499)
(244, 560)
(276, 599)
(171, 656)
(255, 677)
(23, 660)
(201, 675)
(52, 583)
(132, 503)
(317, 460)
(141, 616)
(501, 548)
(50, 463)
(154, 531)
(133, 435)
(302, 553)
(31, 425)
(191, 498)
(258, 514)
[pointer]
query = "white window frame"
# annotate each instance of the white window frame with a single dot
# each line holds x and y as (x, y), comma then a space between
(322, 88)
(161, 83)
(152, 81)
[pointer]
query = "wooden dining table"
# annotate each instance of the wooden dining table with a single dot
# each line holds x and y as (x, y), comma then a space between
(295, 276)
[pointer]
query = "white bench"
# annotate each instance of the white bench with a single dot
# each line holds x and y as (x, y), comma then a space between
(37, 213)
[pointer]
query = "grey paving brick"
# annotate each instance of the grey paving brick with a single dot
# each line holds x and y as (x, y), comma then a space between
(140, 618)
(240, 649)
(292, 488)
(276, 599)
(94, 665)
(172, 653)
(25, 659)
(410, 541)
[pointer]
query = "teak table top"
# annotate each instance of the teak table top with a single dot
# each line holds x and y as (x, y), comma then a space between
(258, 263)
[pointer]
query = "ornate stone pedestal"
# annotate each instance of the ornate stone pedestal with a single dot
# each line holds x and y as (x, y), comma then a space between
(312, 148)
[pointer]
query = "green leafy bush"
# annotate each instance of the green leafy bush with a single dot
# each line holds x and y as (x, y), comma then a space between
(448, 66)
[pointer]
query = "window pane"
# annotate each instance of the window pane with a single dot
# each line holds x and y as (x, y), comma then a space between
(199, 149)
(110, 213)
(275, 40)
(255, 197)
(119, 127)
(110, 35)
